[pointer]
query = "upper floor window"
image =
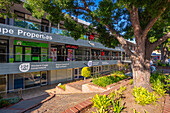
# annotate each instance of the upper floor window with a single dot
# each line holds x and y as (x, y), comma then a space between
(27, 21)
(2, 20)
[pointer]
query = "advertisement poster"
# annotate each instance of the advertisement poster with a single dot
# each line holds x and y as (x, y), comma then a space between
(27, 53)
(44, 54)
(70, 54)
(18, 53)
(54, 54)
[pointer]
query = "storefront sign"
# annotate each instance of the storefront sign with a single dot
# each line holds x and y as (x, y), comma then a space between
(20, 32)
(62, 65)
(90, 63)
(27, 43)
(71, 47)
(24, 67)
(39, 66)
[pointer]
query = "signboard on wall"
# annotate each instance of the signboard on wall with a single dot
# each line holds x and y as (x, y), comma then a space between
(71, 46)
(27, 43)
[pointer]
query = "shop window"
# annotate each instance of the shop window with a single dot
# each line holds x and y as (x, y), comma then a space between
(18, 53)
(32, 79)
(2, 83)
(44, 78)
(19, 81)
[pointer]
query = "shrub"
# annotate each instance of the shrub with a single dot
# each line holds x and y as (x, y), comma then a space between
(131, 81)
(158, 81)
(102, 102)
(4, 103)
(143, 96)
(86, 72)
(117, 108)
(107, 80)
(117, 93)
(13, 100)
(62, 87)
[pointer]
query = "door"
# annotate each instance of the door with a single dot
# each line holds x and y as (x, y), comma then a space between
(44, 78)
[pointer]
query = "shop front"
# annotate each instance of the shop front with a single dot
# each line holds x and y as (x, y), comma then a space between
(25, 51)
(31, 79)
(95, 54)
(70, 52)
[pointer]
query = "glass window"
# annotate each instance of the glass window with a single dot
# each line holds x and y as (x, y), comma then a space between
(2, 83)
(19, 81)
(44, 78)
(18, 53)
(2, 20)
(27, 53)
(32, 79)
(54, 30)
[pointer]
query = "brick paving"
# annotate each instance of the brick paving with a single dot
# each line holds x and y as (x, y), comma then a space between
(61, 102)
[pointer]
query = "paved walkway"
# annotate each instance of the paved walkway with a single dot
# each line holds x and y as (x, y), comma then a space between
(61, 102)
(24, 104)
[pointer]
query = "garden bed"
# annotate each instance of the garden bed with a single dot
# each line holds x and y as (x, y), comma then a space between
(4, 102)
(104, 83)
(130, 104)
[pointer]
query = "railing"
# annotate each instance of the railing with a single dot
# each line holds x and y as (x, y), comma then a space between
(6, 57)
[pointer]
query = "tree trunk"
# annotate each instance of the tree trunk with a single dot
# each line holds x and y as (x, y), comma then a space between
(162, 54)
(141, 74)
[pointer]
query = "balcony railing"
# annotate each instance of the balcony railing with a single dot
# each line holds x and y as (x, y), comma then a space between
(6, 57)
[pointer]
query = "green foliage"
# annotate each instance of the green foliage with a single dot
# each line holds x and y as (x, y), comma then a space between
(4, 103)
(5, 8)
(131, 81)
(158, 86)
(8, 101)
(117, 108)
(159, 83)
(63, 86)
(143, 96)
(107, 80)
(117, 93)
(134, 111)
(86, 72)
(102, 102)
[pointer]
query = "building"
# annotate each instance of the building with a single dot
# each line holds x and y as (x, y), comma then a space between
(32, 54)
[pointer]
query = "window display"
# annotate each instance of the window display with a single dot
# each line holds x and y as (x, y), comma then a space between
(18, 53)
(27, 53)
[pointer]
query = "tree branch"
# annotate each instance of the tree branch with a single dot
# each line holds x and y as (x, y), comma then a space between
(160, 41)
(135, 22)
(150, 24)
(122, 41)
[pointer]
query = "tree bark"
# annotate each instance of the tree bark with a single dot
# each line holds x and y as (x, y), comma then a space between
(141, 73)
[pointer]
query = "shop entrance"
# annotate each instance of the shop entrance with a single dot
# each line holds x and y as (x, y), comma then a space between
(3, 51)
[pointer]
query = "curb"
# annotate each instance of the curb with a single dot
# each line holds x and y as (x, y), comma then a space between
(166, 108)
(88, 103)
(48, 98)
